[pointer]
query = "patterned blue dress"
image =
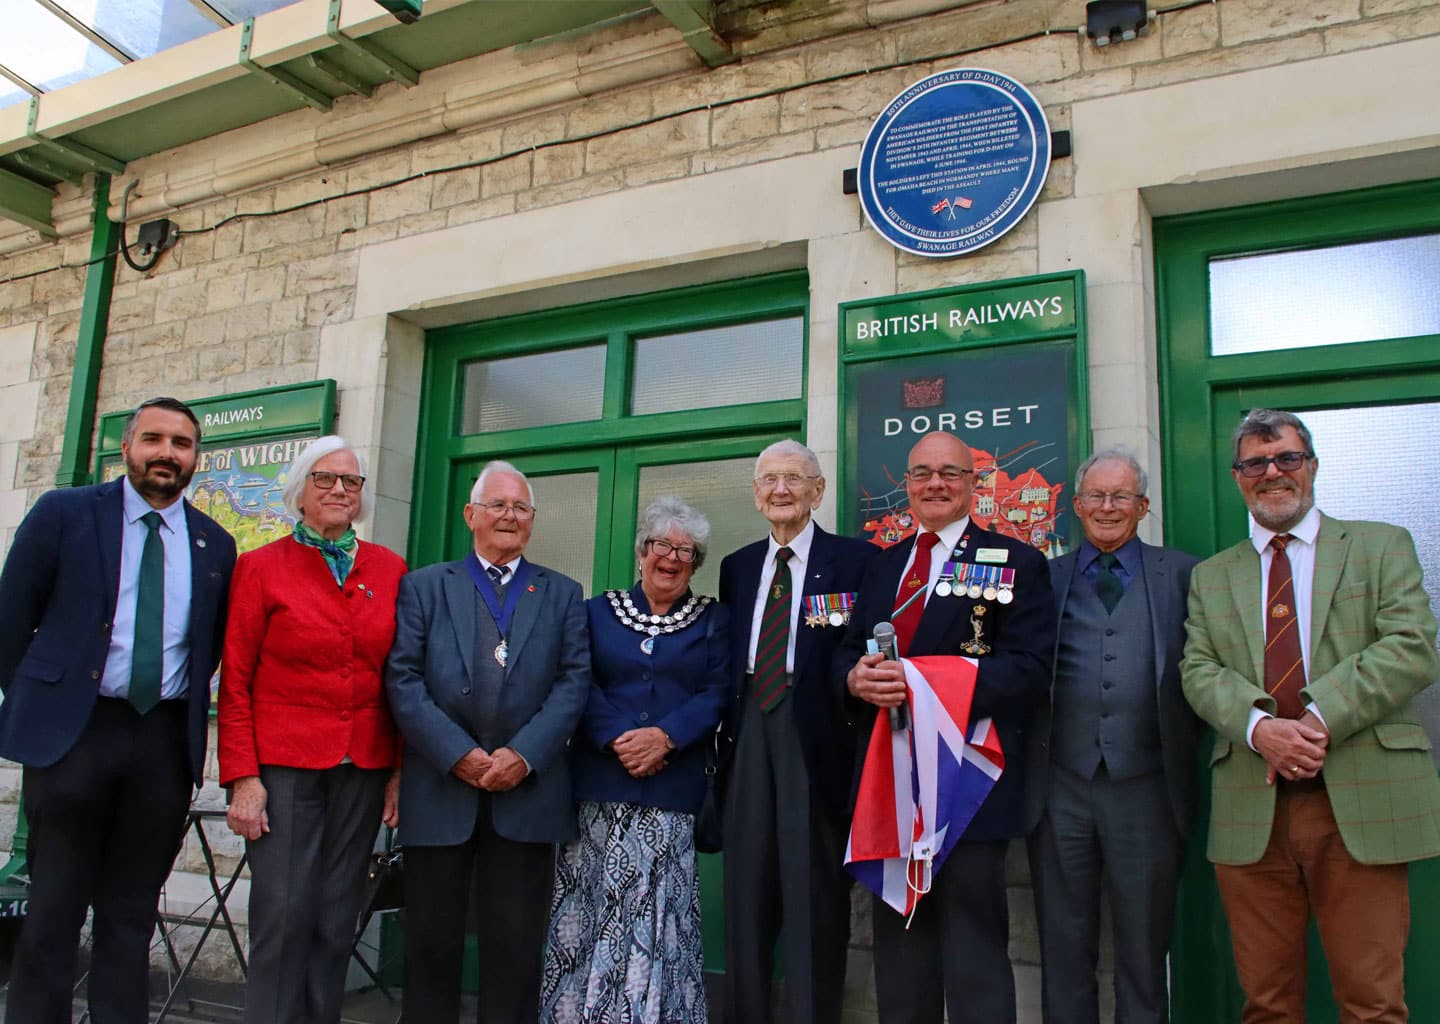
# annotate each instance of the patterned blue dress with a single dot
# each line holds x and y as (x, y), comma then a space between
(624, 944)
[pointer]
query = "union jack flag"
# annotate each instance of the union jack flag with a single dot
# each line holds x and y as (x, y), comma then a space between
(941, 206)
(921, 786)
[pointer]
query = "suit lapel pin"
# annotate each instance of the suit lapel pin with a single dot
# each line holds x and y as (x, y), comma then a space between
(199, 542)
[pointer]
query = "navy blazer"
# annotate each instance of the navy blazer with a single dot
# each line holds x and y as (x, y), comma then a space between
(1167, 581)
(1013, 679)
(428, 684)
(822, 717)
(57, 600)
(681, 688)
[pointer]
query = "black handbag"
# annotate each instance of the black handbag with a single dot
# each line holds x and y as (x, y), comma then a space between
(709, 837)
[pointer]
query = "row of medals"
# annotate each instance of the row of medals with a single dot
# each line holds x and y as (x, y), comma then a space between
(951, 586)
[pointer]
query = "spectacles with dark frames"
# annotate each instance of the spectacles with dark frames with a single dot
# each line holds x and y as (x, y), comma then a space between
(949, 474)
(1286, 462)
(522, 509)
(683, 552)
(352, 482)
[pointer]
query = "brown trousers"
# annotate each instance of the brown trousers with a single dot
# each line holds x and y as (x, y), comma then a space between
(1362, 912)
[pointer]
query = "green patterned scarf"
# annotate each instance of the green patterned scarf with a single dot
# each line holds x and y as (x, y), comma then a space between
(339, 554)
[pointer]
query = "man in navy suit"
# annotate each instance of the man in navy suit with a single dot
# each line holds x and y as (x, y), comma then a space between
(788, 790)
(487, 678)
(113, 599)
(1112, 761)
(953, 954)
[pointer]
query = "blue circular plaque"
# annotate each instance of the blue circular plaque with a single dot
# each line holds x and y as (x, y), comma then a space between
(954, 162)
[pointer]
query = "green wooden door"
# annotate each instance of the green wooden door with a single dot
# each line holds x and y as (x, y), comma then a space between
(604, 407)
(1333, 269)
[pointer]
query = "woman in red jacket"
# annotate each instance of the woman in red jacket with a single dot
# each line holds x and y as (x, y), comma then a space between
(306, 742)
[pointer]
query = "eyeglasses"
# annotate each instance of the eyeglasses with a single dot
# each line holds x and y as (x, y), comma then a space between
(352, 482)
(1097, 499)
(949, 474)
(497, 509)
(792, 481)
(683, 553)
(1286, 462)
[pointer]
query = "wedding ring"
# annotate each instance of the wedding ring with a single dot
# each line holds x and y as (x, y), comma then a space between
(1294, 769)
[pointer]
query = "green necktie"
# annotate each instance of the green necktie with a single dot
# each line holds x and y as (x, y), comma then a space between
(147, 656)
(1107, 584)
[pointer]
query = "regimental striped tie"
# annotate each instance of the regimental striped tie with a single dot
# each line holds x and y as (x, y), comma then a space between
(770, 684)
(910, 601)
(1284, 666)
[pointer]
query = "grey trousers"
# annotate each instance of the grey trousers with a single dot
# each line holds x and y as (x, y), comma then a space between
(306, 885)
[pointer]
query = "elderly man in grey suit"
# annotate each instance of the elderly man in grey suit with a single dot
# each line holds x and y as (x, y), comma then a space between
(487, 678)
(1112, 755)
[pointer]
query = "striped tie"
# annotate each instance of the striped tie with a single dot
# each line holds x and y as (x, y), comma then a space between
(770, 683)
(910, 601)
(1284, 667)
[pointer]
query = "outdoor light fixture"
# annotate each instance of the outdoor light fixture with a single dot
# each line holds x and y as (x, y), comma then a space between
(407, 12)
(1108, 20)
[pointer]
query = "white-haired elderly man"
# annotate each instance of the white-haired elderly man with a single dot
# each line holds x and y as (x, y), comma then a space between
(788, 791)
(487, 679)
(1112, 754)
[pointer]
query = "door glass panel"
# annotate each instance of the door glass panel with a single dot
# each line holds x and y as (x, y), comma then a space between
(760, 362)
(1337, 295)
(1364, 455)
(564, 534)
(721, 489)
(566, 386)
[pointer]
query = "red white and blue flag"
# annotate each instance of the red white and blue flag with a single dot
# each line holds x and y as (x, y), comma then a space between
(921, 786)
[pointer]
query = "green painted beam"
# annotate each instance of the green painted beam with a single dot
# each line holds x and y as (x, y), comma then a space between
(696, 21)
(90, 346)
(26, 202)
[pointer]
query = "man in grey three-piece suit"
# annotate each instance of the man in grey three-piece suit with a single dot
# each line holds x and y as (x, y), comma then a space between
(487, 678)
(1112, 755)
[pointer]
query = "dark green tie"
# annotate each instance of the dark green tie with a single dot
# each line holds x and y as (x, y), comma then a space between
(773, 644)
(1107, 584)
(147, 656)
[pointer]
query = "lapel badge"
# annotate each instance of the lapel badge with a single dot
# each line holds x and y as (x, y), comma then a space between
(199, 542)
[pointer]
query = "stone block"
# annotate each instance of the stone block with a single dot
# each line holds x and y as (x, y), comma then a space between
(287, 254)
(203, 331)
(308, 189)
(59, 284)
(330, 307)
(181, 302)
(773, 148)
(1370, 8)
(990, 26)
(262, 353)
(485, 209)
(844, 100)
(1190, 31)
(455, 187)
(284, 229)
(845, 133)
(741, 122)
(1143, 49)
(422, 224)
(322, 274)
(1381, 31)
(17, 349)
(607, 113)
(302, 347)
(750, 78)
(14, 294)
(558, 163)
(182, 368)
(403, 200)
(367, 236)
(158, 340)
(685, 133)
(1228, 60)
(288, 314)
(265, 285)
(848, 54)
(196, 247)
(379, 170)
(570, 191)
(225, 293)
(529, 132)
(233, 266)
(456, 150)
(229, 239)
(247, 322)
(509, 175)
(220, 361)
(262, 201)
(940, 273)
(18, 405)
(1244, 21)
(346, 214)
(657, 170)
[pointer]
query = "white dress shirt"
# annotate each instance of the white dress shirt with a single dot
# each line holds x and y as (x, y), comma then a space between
(798, 563)
(175, 532)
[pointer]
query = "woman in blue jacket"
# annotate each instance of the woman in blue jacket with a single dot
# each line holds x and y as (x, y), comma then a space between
(625, 920)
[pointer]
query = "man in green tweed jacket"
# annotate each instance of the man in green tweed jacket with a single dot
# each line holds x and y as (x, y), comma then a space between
(1306, 644)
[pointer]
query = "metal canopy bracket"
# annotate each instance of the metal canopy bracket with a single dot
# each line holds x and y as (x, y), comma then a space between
(696, 21)
(90, 158)
(338, 76)
(396, 68)
(32, 161)
(302, 91)
(26, 202)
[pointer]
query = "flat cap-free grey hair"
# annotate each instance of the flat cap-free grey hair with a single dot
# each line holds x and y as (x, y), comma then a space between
(1117, 453)
(669, 512)
(303, 466)
(1268, 425)
(498, 466)
(790, 446)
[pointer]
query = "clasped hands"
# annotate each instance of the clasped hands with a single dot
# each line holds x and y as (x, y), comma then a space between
(642, 751)
(493, 772)
(878, 681)
(1292, 748)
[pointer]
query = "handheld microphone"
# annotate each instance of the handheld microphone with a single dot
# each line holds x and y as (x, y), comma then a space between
(884, 636)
